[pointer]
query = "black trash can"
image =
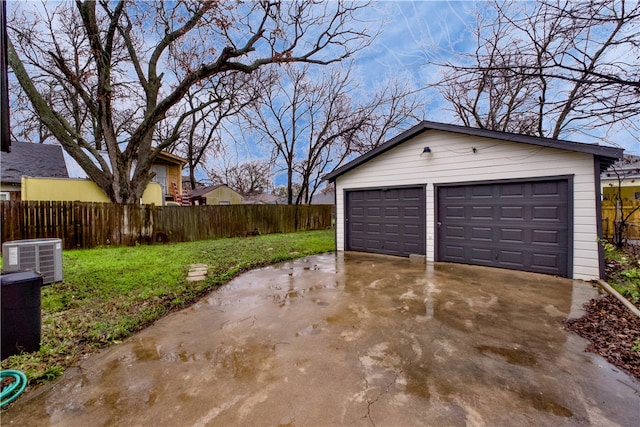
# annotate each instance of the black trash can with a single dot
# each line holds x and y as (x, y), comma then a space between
(20, 307)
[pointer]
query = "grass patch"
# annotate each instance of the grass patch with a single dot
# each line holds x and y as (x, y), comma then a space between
(623, 271)
(108, 294)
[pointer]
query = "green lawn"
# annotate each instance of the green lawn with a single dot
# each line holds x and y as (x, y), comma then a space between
(108, 294)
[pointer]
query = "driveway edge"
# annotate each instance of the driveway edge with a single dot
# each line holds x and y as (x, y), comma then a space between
(607, 287)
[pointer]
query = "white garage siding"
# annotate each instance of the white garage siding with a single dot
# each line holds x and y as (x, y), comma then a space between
(452, 160)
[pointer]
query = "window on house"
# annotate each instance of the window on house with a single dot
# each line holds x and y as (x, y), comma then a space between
(224, 202)
(636, 195)
(4, 195)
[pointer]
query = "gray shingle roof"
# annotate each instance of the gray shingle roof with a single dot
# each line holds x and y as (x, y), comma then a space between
(37, 160)
(199, 192)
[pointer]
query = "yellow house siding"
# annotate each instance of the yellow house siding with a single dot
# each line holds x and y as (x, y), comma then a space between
(153, 194)
(223, 194)
(628, 189)
(174, 174)
(76, 190)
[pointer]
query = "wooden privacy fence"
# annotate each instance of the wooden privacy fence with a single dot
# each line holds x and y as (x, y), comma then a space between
(88, 225)
(608, 215)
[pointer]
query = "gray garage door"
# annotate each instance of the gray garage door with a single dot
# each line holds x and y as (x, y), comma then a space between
(520, 226)
(387, 221)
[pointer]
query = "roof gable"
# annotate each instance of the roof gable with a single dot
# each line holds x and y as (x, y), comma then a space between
(36, 160)
(607, 155)
(199, 192)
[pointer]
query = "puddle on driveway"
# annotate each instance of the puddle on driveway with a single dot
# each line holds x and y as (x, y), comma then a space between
(352, 339)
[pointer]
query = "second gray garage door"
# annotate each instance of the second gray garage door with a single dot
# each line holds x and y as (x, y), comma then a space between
(518, 225)
(387, 221)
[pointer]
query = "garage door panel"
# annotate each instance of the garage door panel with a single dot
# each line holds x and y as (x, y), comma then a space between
(483, 192)
(481, 233)
(455, 212)
(357, 212)
(512, 258)
(549, 188)
(391, 212)
(512, 191)
(482, 212)
(523, 225)
(546, 213)
(395, 216)
(453, 232)
(481, 255)
(373, 228)
(546, 237)
(511, 235)
(545, 260)
(392, 229)
(512, 213)
(411, 194)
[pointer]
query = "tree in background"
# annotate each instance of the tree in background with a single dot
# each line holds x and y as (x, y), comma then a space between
(314, 123)
(249, 178)
(196, 131)
(123, 68)
(549, 68)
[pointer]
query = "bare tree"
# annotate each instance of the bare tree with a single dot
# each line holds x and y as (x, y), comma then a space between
(313, 123)
(249, 178)
(115, 60)
(549, 68)
(196, 131)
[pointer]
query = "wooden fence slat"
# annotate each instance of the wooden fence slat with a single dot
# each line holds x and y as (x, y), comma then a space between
(87, 225)
(609, 217)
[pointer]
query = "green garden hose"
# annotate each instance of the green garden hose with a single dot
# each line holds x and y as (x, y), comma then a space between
(11, 391)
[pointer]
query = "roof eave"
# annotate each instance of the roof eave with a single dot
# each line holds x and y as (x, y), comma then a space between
(607, 155)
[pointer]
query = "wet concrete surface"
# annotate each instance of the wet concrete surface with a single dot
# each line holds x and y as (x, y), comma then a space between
(352, 339)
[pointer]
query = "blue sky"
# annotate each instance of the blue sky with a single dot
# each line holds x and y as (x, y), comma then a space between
(415, 32)
(411, 34)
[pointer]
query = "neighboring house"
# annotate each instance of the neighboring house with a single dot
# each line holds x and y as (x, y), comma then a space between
(218, 194)
(168, 170)
(165, 186)
(324, 199)
(475, 196)
(26, 159)
(264, 199)
(628, 169)
(45, 172)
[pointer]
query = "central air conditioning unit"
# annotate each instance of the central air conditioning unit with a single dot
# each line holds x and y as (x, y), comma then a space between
(43, 256)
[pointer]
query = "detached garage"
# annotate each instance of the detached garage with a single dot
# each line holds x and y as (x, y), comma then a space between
(474, 196)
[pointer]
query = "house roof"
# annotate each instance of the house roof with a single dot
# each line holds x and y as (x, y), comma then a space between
(324, 199)
(264, 199)
(199, 192)
(171, 158)
(607, 155)
(628, 167)
(36, 160)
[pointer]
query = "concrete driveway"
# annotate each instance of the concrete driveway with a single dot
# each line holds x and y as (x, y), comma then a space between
(357, 340)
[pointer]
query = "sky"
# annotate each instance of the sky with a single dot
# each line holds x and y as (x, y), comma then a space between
(411, 34)
(416, 32)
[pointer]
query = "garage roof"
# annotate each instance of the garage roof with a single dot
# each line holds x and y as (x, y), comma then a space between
(607, 155)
